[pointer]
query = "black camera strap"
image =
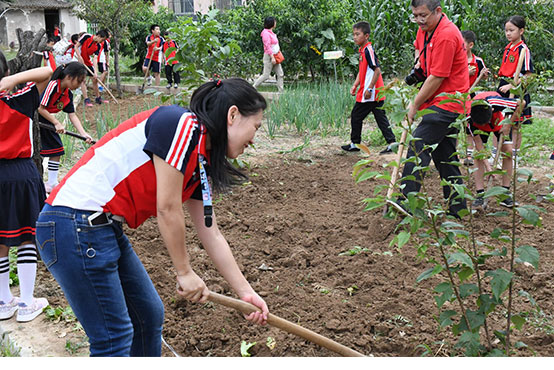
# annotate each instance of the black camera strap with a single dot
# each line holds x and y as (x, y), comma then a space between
(426, 42)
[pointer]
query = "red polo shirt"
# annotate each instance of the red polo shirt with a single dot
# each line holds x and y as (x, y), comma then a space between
(510, 60)
(446, 57)
(368, 64)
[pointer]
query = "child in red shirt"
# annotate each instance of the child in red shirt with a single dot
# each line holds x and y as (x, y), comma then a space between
(368, 83)
(170, 61)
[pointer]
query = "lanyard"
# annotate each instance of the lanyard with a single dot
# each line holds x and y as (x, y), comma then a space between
(426, 42)
(206, 195)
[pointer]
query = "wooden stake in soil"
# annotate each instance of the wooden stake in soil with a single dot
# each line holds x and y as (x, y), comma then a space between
(247, 308)
(396, 168)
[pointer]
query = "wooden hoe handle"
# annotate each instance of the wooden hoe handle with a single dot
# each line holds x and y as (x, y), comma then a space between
(104, 86)
(247, 308)
(52, 128)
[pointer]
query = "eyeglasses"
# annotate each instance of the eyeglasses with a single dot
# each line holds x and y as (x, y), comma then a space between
(414, 18)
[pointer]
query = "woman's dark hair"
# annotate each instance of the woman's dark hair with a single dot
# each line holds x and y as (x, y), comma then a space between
(269, 22)
(211, 103)
(3, 65)
(71, 69)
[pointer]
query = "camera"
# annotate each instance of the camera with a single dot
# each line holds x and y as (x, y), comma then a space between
(415, 76)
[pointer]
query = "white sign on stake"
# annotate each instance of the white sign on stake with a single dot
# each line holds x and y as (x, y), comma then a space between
(332, 54)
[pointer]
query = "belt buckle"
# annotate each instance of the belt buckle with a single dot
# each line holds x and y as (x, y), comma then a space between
(93, 217)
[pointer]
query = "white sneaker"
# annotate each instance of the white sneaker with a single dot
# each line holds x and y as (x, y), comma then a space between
(7, 310)
(28, 313)
(149, 80)
(176, 86)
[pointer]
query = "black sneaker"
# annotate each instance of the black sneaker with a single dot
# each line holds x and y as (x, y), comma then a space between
(387, 150)
(398, 207)
(350, 147)
(479, 202)
(468, 161)
(98, 100)
(509, 203)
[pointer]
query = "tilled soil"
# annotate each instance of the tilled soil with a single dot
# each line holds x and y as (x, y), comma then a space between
(288, 227)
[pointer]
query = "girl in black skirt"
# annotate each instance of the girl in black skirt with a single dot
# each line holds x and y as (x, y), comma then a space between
(21, 189)
(58, 97)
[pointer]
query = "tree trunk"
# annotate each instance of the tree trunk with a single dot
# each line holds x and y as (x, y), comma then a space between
(25, 60)
(116, 65)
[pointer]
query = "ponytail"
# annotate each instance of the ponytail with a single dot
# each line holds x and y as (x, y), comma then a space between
(210, 103)
(71, 69)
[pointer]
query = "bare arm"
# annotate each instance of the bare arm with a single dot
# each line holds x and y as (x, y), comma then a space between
(40, 76)
(77, 123)
(171, 222)
(60, 129)
(430, 86)
(220, 253)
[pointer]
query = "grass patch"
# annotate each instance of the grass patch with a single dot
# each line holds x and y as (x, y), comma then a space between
(8, 348)
(320, 108)
(537, 144)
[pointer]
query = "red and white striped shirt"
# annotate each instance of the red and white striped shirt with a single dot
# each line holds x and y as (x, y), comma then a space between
(117, 174)
(16, 122)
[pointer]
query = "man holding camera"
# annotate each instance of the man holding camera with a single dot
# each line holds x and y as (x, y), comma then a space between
(441, 64)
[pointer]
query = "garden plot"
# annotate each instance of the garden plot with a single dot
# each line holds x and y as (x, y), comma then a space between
(301, 238)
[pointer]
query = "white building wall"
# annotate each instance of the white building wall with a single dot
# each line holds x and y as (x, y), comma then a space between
(70, 24)
(27, 21)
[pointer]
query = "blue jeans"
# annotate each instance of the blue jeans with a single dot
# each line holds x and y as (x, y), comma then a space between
(103, 280)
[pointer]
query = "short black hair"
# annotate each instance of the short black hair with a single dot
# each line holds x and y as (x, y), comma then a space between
(469, 36)
(481, 112)
(166, 33)
(103, 33)
(269, 22)
(431, 4)
(153, 26)
(75, 38)
(363, 26)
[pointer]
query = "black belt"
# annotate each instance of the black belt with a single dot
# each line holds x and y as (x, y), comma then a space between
(100, 218)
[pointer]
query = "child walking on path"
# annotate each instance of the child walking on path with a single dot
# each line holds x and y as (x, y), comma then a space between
(148, 167)
(368, 82)
(21, 189)
(58, 97)
(170, 61)
(514, 51)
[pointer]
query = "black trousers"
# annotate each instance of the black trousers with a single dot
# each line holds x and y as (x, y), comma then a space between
(434, 129)
(171, 75)
(360, 112)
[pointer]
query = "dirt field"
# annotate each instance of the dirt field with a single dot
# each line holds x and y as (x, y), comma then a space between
(287, 228)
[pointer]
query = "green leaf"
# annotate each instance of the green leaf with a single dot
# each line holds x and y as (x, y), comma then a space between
(499, 214)
(244, 347)
(428, 273)
(445, 318)
(523, 293)
(527, 253)
(468, 289)
(447, 293)
(465, 273)
(518, 321)
(494, 191)
(469, 341)
(403, 238)
(500, 281)
(462, 258)
(529, 215)
(519, 345)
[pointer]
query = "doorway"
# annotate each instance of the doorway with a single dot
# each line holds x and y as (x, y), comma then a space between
(51, 19)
